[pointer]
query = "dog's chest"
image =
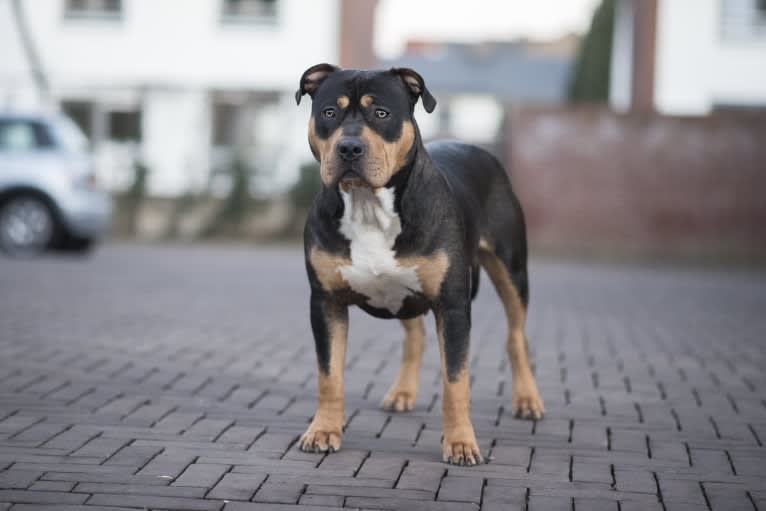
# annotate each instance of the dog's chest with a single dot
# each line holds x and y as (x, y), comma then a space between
(371, 225)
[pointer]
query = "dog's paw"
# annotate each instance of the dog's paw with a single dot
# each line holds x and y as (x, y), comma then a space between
(398, 399)
(461, 449)
(526, 402)
(317, 439)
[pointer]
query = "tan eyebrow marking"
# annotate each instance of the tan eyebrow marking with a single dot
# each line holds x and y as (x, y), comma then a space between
(366, 100)
(343, 101)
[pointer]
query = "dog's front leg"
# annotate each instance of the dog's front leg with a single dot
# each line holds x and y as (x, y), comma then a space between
(459, 445)
(329, 322)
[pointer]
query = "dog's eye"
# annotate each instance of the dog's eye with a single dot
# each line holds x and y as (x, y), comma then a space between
(328, 113)
(381, 114)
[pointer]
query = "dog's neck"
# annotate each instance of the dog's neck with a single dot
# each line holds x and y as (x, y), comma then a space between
(408, 181)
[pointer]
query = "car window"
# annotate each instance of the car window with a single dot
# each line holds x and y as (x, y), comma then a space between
(19, 135)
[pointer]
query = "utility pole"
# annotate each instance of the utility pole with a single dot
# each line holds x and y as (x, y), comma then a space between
(357, 22)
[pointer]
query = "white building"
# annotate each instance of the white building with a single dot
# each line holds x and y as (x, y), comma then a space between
(175, 81)
(693, 56)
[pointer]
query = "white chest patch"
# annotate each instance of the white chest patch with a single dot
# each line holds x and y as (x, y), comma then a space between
(371, 225)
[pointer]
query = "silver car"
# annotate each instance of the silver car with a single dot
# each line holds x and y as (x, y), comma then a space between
(48, 197)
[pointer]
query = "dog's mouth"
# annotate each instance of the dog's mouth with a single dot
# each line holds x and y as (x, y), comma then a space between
(351, 179)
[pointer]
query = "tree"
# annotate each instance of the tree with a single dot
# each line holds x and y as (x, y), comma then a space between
(590, 80)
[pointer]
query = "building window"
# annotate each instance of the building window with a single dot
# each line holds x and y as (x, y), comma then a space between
(224, 124)
(94, 9)
(125, 126)
(743, 19)
(104, 122)
(81, 112)
(249, 11)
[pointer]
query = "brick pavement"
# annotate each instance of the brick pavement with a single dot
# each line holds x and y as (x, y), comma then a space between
(180, 378)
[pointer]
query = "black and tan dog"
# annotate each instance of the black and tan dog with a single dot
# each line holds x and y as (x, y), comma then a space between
(400, 229)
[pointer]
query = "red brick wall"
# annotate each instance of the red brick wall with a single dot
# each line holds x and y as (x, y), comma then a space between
(590, 179)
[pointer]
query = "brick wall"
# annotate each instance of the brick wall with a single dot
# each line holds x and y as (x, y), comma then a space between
(593, 180)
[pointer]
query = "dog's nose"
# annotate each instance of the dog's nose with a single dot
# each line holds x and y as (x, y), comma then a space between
(350, 148)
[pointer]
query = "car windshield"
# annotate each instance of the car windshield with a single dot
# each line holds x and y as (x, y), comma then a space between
(69, 136)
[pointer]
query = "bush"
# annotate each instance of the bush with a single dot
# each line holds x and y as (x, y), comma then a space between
(301, 196)
(130, 201)
(306, 188)
(236, 205)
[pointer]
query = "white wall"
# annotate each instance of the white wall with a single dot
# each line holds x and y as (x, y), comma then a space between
(697, 68)
(183, 43)
(176, 128)
(621, 68)
(167, 56)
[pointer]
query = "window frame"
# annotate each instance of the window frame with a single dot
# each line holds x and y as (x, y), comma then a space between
(42, 138)
(230, 19)
(731, 31)
(91, 14)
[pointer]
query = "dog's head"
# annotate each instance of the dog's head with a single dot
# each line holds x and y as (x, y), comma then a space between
(362, 128)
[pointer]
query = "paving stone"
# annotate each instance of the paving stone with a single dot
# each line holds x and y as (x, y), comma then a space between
(59, 486)
(61, 466)
(41, 497)
(322, 500)
(682, 490)
(134, 456)
(675, 505)
(414, 505)
(69, 441)
(382, 466)
(422, 477)
(101, 447)
(364, 491)
(642, 506)
(540, 503)
(11, 479)
(171, 380)
(167, 465)
(727, 497)
(68, 507)
(635, 481)
(150, 501)
(280, 493)
(135, 489)
(37, 434)
(262, 506)
(462, 489)
(104, 477)
(202, 475)
(595, 505)
(237, 486)
(240, 435)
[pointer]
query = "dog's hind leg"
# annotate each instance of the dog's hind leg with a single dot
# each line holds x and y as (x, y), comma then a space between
(401, 396)
(512, 289)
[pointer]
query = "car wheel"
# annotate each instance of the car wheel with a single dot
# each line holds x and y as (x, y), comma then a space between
(27, 225)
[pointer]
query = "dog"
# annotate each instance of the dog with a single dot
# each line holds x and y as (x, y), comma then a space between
(398, 229)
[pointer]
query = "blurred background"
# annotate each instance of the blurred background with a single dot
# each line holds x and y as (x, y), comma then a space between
(630, 127)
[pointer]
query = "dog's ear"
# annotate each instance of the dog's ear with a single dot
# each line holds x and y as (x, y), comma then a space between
(417, 87)
(312, 78)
